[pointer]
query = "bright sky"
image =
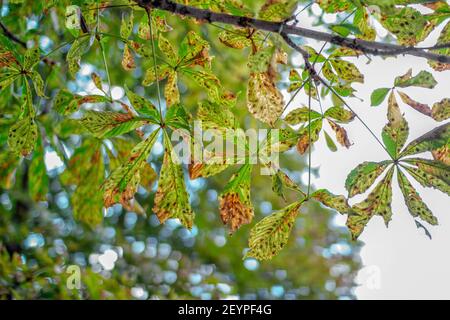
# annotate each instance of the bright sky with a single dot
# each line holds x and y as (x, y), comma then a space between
(399, 262)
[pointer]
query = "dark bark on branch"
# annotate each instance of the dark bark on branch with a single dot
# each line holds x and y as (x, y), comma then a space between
(367, 47)
(11, 36)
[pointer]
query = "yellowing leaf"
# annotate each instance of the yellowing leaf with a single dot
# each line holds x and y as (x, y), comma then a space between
(341, 134)
(37, 175)
(444, 37)
(277, 10)
(377, 203)
(123, 182)
(304, 142)
(150, 76)
(363, 176)
(128, 62)
(23, 135)
(441, 110)
(271, 234)
(347, 71)
(396, 130)
(172, 199)
(126, 26)
(167, 49)
(235, 206)
(142, 105)
(171, 92)
(338, 203)
(31, 58)
(430, 141)
(301, 115)
(107, 124)
(422, 108)
(423, 79)
(340, 114)
(413, 201)
(264, 100)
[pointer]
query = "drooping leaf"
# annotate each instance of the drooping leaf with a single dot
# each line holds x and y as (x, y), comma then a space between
(264, 100)
(341, 134)
(281, 181)
(423, 79)
(338, 203)
(78, 48)
(422, 108)
(413, 201)
(271, 234)
(38, 83)
(396, 130)
(305, 140)
(363, 176)
(377, 203)
(330, 143)
(67, 103)
(126, 26)
(378, 96)
(171, 92)
(430, 141)
(234, 203)
(128, 62)
(123, 182)
(172, 199)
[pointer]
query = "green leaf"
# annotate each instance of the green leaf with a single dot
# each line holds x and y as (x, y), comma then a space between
(347, 71)
(86, 171)
(178, 118)
(37, 174)
(150, 77)
(194, 51)
(378, 96)
(423, 79)
(301, 115)
(429, 180)
(215, 116)
(126, 26)
(208, 81)
(430, 141)
(260, 61)
(67, 103)
(236, 38)
(330, 143)
(78, 48)
(444, 37)
(38, 83)
(413, 201)
(73, 17)
(123, 182)
(271, 234)
(277, 10)
(234, 203)
(377, 203)
(9, 162)
(340, 114)
(408, 24)
(32, 57)
(172, 199)
(363, 176)
(167, 49)
(23, 135)
(433, 167)
(338, 203)
(333, 6)
(107, 124)
(281, 181)
(143, 106)
(264, 100)
(441, 110)
(395, 133)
